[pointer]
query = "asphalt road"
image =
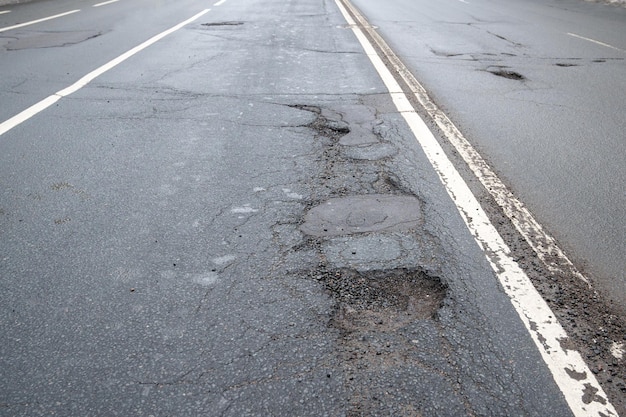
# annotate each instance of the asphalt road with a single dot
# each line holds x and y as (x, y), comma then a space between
(556, 136)
(169, 243)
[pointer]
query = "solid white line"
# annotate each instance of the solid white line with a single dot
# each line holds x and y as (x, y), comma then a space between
(544, 245)
(5, 11)
(219, 3)
(104, 3)
(596, 42)
(37, 21)
(47, 102)
(534, 312)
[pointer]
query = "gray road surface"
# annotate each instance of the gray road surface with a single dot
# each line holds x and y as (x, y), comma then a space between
(164, 247)
(557, 135)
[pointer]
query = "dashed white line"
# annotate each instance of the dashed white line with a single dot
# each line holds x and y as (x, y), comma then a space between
(104, 3)
(5, 11)
(49, 101)
(219, 3)
(540, 321)
(596, 42)
(32, 22)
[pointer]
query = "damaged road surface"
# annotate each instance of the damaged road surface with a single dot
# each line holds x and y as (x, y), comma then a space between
(237, 221)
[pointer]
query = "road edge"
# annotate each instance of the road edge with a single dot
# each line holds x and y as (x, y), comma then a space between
(580, 388)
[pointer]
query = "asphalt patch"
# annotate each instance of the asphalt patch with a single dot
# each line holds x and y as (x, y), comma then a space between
(33, 40)
(362, 214)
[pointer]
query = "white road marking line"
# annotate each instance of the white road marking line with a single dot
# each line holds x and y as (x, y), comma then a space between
(5, 11)
(534, 312)
(47, 102)
(544, 245)
(596, 42)
(219, 3)
(104, 3)
(32, 22)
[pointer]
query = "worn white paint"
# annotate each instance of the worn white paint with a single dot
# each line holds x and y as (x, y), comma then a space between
(567, 366)
(244, 209)
(222, 260)
(618, 350)
(32, 22)
(206, 280)
(104, 3)
(606, 45)
(530, 229)
(291, 194)
(49, 101)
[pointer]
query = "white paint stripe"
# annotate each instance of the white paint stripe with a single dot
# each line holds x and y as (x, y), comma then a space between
(32, 22)
(539, 240)
(5, 11)
(534, 312)
(28, 113)
(219, 3)
(105, 3)
(47, 102)
(596, 42)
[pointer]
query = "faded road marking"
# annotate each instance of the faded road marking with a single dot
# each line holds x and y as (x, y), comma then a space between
(544, 329)
(540, 241)
(596, 42)
(617, 350)
(32, 22)
(291, 194)
(104, 3)
(221, 260)
(206, 280)
(243, 210)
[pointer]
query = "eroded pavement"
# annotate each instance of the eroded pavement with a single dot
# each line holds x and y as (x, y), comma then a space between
(417, 321)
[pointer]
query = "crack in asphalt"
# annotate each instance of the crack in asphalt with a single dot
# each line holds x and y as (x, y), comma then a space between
(378, 338)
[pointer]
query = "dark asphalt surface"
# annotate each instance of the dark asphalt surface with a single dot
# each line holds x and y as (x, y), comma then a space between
(555, 137)
(153, 258)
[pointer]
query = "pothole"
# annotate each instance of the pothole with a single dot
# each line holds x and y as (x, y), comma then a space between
(384, 294)
(229, 23)
(387, 324)
(376, 264)
(327, 123)
(511, 75)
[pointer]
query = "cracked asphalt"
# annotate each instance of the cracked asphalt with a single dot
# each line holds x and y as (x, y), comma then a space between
(237, 222)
